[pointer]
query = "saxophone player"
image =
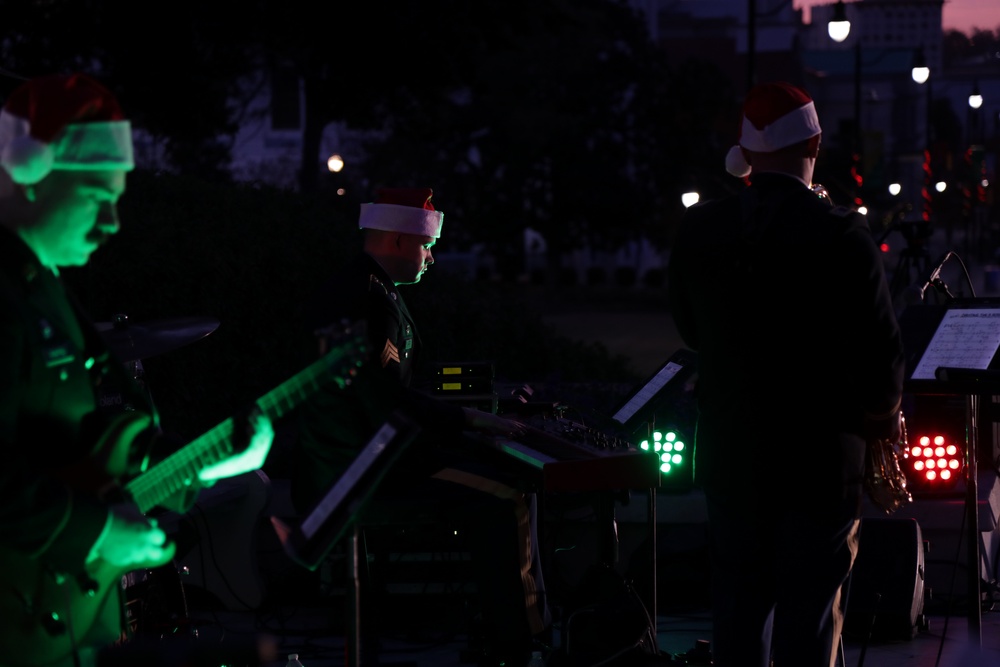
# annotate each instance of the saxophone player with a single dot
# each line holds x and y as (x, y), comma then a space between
(784, 383)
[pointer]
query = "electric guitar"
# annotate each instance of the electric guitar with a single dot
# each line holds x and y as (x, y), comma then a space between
(45, 615)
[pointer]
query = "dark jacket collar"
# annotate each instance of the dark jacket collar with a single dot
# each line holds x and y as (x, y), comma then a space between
(776, 180)
(17, 260)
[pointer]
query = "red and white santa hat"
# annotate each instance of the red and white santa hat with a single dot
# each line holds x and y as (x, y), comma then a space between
(407, 210)
(62, 122)
(775, 115)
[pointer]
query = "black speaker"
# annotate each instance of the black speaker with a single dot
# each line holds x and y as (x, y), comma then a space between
(885, 596)
(989, 433)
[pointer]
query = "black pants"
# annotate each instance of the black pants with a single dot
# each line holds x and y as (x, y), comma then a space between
(779, 564)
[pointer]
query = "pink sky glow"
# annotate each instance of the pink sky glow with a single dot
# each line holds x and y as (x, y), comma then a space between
(962, 15)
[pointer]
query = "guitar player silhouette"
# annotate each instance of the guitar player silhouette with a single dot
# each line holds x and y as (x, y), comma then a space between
(78, 480)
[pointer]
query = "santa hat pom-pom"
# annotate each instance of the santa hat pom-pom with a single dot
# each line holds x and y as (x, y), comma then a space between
(27, 160)
(736, 164)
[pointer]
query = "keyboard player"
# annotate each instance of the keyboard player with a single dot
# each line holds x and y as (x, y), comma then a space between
(398, 232)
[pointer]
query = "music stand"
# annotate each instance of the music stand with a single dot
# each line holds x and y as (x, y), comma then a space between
(952, 349)
(671, 383)
(309, 543)
(337, 513)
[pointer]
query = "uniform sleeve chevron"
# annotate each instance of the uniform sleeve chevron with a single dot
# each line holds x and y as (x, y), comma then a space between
(389, 353)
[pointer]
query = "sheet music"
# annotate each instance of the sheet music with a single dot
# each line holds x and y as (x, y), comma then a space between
(347, 481)
(965, 338)
(646, 394)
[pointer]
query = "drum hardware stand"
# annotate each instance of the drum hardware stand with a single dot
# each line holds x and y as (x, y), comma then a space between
(914, 259)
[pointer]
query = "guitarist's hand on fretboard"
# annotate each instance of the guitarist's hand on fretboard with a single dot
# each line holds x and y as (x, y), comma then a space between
(253, 434)
(30, 598)
(131, 541)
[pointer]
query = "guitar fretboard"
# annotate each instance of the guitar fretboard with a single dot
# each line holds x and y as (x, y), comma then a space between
(180, 469)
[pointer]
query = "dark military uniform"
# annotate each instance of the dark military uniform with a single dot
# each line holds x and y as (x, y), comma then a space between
(785, 300)
(60, 393)
(335, 423)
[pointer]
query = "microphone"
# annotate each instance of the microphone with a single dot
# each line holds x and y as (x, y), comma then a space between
(935, 277)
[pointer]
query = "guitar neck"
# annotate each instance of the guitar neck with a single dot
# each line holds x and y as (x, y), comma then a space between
(180, 470)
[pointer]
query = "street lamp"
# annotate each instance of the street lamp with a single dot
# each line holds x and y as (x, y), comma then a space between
(975, 101)
(921, 74)
(335, 165)
(839, 27)
(975, 156)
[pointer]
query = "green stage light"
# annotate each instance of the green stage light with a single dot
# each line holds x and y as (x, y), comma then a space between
(669, 446)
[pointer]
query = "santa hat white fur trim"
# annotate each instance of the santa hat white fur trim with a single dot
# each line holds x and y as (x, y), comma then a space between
(100, 145)
(405, 219)
(793, 127)
(736, 164)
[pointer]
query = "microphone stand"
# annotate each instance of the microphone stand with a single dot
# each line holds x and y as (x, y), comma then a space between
(913, 258)
(935, 280)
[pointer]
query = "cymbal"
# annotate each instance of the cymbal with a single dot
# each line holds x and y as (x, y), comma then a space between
(132, 342)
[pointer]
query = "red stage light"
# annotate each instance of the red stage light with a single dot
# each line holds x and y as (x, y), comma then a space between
(935, 462)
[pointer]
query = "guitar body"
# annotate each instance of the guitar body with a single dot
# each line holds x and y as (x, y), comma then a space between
(45, 619)
(223, 560)
(46, 616)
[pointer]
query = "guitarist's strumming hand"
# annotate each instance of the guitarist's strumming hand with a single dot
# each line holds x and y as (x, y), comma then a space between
(130, 540)
(253, 434)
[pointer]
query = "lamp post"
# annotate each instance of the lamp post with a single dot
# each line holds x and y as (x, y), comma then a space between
(975, 158)
(335, 165)
(839, 28)
(975, 101)
(921, 74)
(751, 42)
(752, 16)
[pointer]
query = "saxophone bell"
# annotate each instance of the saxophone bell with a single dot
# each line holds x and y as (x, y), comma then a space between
(885, 481)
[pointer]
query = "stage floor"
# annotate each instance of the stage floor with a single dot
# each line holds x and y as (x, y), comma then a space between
(947, 641)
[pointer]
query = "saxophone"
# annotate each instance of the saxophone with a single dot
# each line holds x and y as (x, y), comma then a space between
(820, 191)
(885, 481)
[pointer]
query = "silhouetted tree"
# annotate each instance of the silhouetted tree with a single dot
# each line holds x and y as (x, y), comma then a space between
(176, 69)
(959, 47)
(521, 113)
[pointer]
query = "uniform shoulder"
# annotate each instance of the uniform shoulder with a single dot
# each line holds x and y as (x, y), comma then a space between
(710, 217)
(712, 206)
(847, 216)
(376, 284)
